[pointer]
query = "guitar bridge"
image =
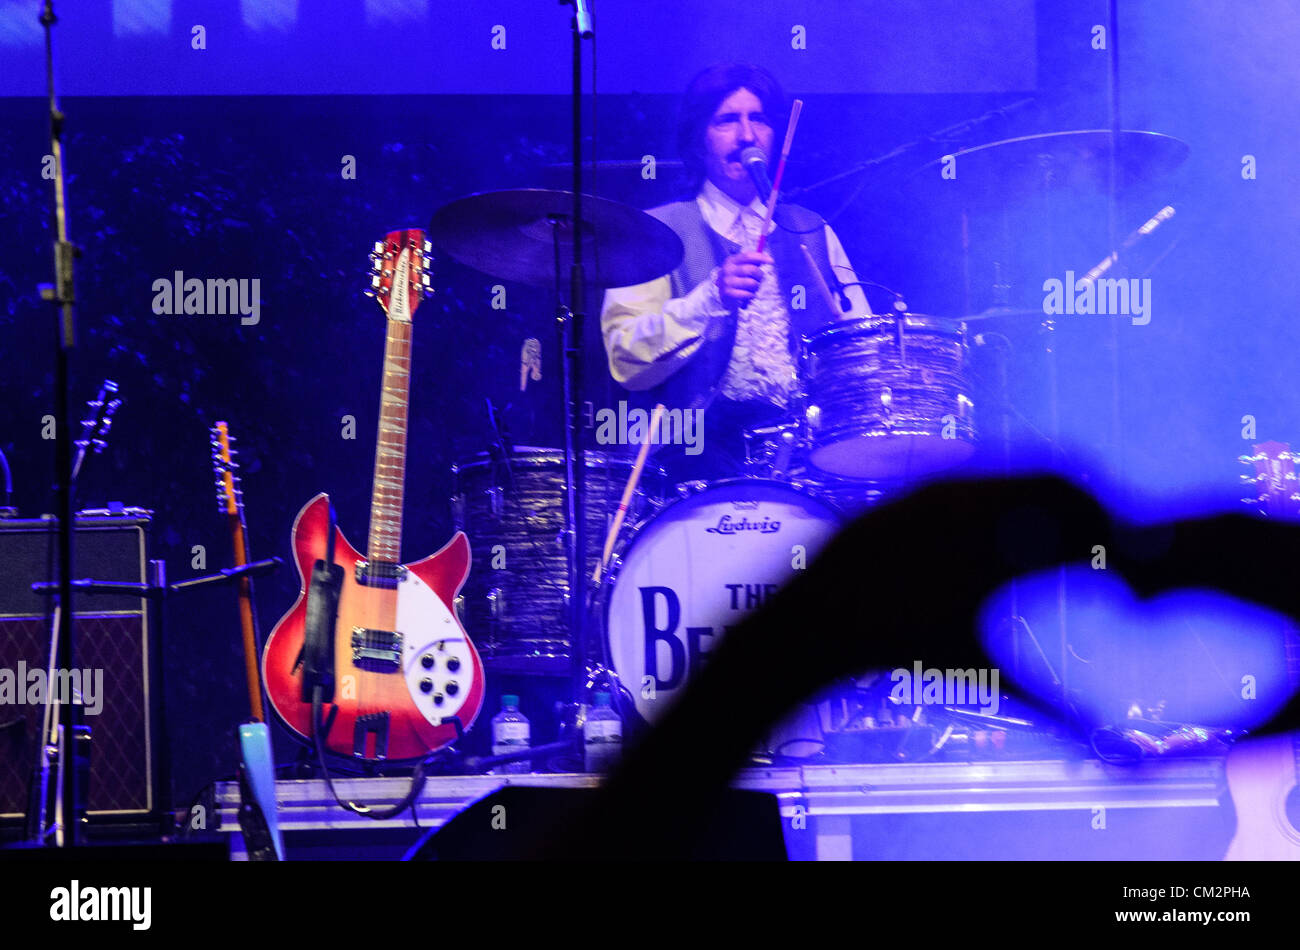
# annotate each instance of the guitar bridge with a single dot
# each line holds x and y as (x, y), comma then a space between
(379, 651)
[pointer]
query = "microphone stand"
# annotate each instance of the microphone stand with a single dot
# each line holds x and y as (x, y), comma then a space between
(952, 133)
(570, 325)
(61, 294)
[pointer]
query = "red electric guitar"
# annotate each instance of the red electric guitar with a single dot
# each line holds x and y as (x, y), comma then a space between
(405, 671)
(1262, 773)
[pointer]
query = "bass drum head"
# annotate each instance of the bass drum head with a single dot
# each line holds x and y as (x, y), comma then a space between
(695, 569)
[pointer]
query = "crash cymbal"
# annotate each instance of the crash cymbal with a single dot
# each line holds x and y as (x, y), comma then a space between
(994, 313)
(1059, 158)
(615, 165)
(510, 234)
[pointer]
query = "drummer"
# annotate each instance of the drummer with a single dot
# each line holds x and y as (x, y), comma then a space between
(719, 334)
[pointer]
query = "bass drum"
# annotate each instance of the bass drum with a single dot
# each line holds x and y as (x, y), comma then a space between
(695, 568)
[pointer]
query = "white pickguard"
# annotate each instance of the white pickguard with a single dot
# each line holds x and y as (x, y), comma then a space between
(428, 629)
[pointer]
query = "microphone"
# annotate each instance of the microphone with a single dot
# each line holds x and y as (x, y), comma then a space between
(755, 162)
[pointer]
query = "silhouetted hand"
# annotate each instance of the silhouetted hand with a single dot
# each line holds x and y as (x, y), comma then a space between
(906, 581)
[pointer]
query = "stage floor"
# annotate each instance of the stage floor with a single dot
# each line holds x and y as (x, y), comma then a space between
(842, 812)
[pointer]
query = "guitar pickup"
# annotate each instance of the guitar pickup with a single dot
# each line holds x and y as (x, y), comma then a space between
(379, 651)
(380, 574)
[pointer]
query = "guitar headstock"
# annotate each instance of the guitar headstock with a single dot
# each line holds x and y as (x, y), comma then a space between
(1274, 480)
(399, 275)
(230, 497)
(99, 412)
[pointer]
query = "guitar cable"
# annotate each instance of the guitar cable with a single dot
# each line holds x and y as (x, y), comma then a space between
(376, 812)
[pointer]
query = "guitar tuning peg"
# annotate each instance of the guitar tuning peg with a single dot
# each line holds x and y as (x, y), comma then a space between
(375, 281)
(1249, 479)
(378, 248)
(427, 247)
(368, 293)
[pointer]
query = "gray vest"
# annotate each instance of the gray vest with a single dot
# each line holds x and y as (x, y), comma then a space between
(694, 384)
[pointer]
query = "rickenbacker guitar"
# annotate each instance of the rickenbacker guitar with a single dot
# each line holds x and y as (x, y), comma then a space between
(1262, 773)
(407, 678)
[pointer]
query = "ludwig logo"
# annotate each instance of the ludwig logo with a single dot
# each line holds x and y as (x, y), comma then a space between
(727, 526)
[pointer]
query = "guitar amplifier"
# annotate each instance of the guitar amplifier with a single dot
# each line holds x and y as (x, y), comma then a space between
(114, 634)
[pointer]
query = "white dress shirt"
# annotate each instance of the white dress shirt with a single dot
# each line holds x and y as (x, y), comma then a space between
(649, 334)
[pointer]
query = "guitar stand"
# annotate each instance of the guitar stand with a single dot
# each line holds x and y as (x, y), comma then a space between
(54, 754)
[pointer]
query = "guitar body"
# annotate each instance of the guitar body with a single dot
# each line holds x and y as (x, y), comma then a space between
(394, 698)
(1261, 777)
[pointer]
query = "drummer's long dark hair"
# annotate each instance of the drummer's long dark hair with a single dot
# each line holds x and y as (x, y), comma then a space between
(703, 96)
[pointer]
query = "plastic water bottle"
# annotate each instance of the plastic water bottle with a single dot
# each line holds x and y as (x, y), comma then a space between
(510, 733)
(602, 735)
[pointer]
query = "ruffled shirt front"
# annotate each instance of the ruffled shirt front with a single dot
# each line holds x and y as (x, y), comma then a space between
(761, 365)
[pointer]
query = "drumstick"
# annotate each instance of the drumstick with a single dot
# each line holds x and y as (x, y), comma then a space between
(821, 280)
(795, 109)
(632, 481)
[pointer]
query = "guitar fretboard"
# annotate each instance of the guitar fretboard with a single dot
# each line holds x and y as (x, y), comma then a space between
(385, 542)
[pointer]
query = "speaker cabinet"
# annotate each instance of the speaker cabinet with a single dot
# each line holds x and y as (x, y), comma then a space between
(114, 634)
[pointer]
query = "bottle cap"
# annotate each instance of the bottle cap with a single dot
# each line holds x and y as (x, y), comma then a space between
(602, 699)
(509, 699)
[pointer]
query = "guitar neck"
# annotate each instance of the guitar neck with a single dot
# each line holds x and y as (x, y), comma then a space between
(385, 541)
(247, 618)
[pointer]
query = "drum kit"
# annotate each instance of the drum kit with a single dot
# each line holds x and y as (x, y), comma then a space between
(882, 401)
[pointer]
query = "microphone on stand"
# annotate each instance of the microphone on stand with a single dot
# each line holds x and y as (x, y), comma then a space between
(755, 161)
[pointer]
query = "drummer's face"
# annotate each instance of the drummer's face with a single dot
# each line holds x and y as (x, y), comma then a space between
(737, 123)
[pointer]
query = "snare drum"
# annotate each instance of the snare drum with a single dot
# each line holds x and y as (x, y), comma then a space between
(695, 569)
(514, 601)
(888, 397)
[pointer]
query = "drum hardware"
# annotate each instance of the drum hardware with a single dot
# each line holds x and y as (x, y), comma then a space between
(536, 237)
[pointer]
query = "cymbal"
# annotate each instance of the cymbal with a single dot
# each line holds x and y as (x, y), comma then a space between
(616, 165)
(993, 313)
(511, 234)
(1058, 157)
